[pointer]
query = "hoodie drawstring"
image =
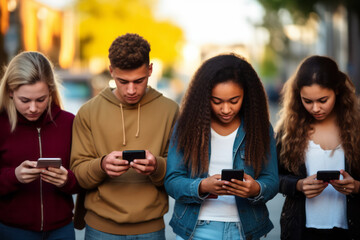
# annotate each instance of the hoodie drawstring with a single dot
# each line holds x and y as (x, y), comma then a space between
(138, 122)
(123, 123)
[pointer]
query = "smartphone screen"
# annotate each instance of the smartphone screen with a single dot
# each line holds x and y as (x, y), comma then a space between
(130, 155)
(228, 174)
(327, 175)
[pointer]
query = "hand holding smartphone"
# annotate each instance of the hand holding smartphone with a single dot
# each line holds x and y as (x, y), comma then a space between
(327, 175)
(130, 155)
(48, 162)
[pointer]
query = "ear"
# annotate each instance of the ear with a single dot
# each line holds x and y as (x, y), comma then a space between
(110, 69)
(11, 94)
(150, 69)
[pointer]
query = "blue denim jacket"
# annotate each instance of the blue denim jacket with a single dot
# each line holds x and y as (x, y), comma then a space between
(253, 212)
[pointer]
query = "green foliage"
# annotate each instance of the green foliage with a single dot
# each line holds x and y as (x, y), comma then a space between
(268, 67)
(101, 21)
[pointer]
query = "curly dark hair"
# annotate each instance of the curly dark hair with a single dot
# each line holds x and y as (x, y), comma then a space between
(192, 131)
(129, 51)
(295, 122)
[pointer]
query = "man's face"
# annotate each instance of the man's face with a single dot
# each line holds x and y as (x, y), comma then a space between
(131, 83)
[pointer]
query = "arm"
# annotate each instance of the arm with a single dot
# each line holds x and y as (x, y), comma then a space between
(84, 162)
(158, 176)
(268, 178)
(9, 182)
(178, 183)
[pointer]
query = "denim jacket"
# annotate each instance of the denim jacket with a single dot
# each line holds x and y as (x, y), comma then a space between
(253, 212)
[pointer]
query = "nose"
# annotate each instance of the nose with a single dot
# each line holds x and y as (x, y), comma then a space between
(226, 109)
(131, 89)
(316, 107)
(32, 106)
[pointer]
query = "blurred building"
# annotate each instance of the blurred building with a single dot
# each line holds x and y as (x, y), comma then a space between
(30, 25)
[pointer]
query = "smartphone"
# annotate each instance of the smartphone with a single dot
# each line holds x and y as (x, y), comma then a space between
(130, 155)
(48, 162)
(327, 175)
(228, 174)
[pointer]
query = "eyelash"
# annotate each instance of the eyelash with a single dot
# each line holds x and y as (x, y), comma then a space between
(39, 100)
(217, 103)
(322, 101)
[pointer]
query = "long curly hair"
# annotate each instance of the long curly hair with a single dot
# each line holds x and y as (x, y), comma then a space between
(295, 122)
(192, 131)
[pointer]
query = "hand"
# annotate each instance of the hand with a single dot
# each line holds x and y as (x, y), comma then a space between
(213, 185)
(27, 172)
(245, 189)
(145, 166)
(113, 165)
(347, 185)
(310, 186)
(55, 176)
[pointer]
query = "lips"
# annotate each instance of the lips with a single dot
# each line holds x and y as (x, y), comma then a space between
(131, 99)
(318, 115)
(226, 117)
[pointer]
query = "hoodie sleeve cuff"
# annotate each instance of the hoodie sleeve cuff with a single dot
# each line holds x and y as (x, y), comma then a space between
(158, 176)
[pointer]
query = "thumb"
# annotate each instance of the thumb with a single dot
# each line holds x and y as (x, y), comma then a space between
(247, 177)
(344, 173)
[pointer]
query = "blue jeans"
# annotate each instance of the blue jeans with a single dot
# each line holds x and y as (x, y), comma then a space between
(93, 234)
(11, 233)
(213, 230)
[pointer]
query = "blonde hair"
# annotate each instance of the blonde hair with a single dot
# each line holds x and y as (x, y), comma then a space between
(27, 68)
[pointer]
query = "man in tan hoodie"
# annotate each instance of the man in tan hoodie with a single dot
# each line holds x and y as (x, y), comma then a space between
(124, 198)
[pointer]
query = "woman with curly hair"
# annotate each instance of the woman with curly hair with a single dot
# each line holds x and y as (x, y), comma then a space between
(319, 130)
(224, 124)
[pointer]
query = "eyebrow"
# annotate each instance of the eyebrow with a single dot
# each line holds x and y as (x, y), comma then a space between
(319, 99)
(25, 98)
(227, 99)
(125, 80)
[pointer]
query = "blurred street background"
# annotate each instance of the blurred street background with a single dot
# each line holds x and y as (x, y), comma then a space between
(273, 35)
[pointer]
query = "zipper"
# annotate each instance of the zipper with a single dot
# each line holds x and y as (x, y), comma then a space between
(41, 195)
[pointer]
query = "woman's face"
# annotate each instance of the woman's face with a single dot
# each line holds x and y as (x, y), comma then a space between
(226, 101)
(318, 101)
(31, 100)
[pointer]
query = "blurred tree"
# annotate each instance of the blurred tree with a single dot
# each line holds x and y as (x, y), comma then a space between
(101, 21)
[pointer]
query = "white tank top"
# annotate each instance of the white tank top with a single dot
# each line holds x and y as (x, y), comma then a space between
(223, 208)
(327, 210)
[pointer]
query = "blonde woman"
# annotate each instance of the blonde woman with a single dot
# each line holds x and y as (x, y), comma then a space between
(35, 203)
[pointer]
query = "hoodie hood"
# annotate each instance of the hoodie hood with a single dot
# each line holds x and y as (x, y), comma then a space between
(150, 95)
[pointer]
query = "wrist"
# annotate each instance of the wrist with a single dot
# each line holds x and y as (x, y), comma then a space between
(299, 185)
(202, 191)
(357, 187)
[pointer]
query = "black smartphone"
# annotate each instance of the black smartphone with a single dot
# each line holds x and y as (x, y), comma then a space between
(48, 162)
(327, 175)
(228, 174)
(130, 155)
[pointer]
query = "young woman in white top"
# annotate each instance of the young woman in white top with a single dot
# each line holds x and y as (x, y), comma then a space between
(223, 124)
(319, 130)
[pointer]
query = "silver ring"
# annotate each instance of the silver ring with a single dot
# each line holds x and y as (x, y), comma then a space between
(344, 188)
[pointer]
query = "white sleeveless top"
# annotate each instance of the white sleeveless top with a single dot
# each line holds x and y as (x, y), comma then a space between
(223, 208)
(328, 209)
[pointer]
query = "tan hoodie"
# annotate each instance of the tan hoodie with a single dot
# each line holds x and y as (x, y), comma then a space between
(131, 203)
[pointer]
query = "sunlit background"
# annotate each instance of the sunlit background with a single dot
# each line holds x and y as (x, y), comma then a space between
(274, 35)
